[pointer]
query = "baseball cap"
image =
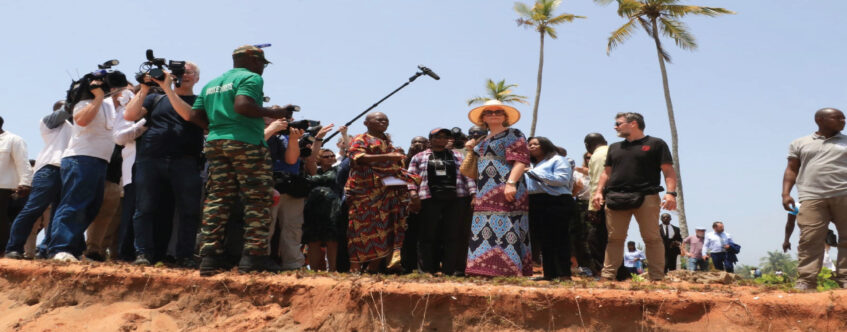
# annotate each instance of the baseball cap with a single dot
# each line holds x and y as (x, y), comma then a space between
(251, 51)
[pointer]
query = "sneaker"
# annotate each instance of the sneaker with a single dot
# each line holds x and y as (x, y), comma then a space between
(264, 263)
(41, 255)
(63, 256)
(213, 264)
(14, 255)
(141, 260)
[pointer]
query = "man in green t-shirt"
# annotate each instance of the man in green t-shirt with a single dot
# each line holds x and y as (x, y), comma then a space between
(239, 162)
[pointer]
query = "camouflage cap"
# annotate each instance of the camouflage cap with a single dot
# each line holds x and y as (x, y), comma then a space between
(251, 51)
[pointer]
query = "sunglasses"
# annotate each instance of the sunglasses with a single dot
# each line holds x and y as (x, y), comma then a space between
(618, 124)
(493, 112)
(328, 156)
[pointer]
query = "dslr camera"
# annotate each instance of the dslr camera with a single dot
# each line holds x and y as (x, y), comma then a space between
(81, 89)
(153, 67)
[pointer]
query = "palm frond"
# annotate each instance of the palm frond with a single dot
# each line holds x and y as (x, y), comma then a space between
(550, 31)
(621, 35)
(525, 22)
(604, 2)
(629, 8)
(678, 31)
(682, 10)
(477, 100)
(563, 18)
(646, 25)
(523, 10)
(515, 98)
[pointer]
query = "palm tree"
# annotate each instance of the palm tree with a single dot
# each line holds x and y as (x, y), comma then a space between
(498, 91)
(779, 261)
(541, 17)
(663, 16)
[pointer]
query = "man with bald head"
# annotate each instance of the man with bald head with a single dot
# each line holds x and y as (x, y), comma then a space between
(818, 165)
(377, 195)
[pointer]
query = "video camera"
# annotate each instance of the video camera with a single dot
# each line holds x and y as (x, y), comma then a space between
(81, 89)
(153, 67)
(310, 127)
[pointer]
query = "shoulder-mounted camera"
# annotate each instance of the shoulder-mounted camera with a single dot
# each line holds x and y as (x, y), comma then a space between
(81, 89)
(153, 67)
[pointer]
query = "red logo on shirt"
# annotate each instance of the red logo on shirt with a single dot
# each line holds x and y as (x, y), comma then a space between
(645, 148)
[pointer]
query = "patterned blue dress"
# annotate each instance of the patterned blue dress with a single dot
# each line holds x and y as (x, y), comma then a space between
(499, 244)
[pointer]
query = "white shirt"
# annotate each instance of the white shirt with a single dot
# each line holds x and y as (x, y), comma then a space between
(125, 133)
(630, 256)
(55, 142)
(669, 231)
(14, 162)
(715, 242)
(95, 139)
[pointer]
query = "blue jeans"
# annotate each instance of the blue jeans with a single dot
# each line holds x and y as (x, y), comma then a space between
(721, 262)
(46, 185)
(697, 264)
(162, 182)
(83, 180)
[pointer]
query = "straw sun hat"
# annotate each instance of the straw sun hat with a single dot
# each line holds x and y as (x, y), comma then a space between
(511, 113)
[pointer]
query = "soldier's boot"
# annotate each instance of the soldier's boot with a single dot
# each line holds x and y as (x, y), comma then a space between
(264, 263)
(213, 264)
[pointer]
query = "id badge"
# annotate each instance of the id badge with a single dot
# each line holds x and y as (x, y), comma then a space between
(440, 168)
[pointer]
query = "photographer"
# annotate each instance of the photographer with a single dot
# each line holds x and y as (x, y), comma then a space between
(238, 162)
(167, 165)
(83, 169)
(289, 171)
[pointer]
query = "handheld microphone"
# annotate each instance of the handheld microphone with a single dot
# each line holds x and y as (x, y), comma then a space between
(429, 72)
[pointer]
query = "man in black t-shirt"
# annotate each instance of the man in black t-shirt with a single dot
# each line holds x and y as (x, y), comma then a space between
(167, 165)
(632, 168)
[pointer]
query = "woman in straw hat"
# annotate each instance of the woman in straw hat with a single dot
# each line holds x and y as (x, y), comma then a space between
(499, 243)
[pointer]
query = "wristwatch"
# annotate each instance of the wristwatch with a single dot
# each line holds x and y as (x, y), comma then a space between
(672, 193)
(511, 182)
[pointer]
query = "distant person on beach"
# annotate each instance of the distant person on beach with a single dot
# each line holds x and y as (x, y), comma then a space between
(671, 238)
(716, 246)
(694, 254)
(817, 164)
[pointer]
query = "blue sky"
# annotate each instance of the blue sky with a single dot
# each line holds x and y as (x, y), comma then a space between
(749, 90)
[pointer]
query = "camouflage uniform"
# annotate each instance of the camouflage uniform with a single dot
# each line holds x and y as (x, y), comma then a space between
(237, 170)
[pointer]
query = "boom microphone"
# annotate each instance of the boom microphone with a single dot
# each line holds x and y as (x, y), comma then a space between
(429, 72)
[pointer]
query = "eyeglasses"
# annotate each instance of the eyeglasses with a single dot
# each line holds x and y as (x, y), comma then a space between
(190, 72)
(493, 112)
(618, 124)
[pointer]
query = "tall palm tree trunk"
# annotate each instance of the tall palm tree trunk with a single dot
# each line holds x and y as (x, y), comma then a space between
(538, 87)
(680, 206)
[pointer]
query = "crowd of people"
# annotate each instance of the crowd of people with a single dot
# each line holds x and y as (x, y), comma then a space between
(153, 173)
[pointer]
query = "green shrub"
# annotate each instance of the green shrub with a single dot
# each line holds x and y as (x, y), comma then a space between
(825, 281)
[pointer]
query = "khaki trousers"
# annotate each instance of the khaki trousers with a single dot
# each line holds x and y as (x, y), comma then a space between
(40, 223)
(617, 222)
(101, 232)
(813, 221)
(288, 216)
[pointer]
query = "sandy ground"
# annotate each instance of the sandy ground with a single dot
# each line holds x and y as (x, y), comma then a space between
(48, 296)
